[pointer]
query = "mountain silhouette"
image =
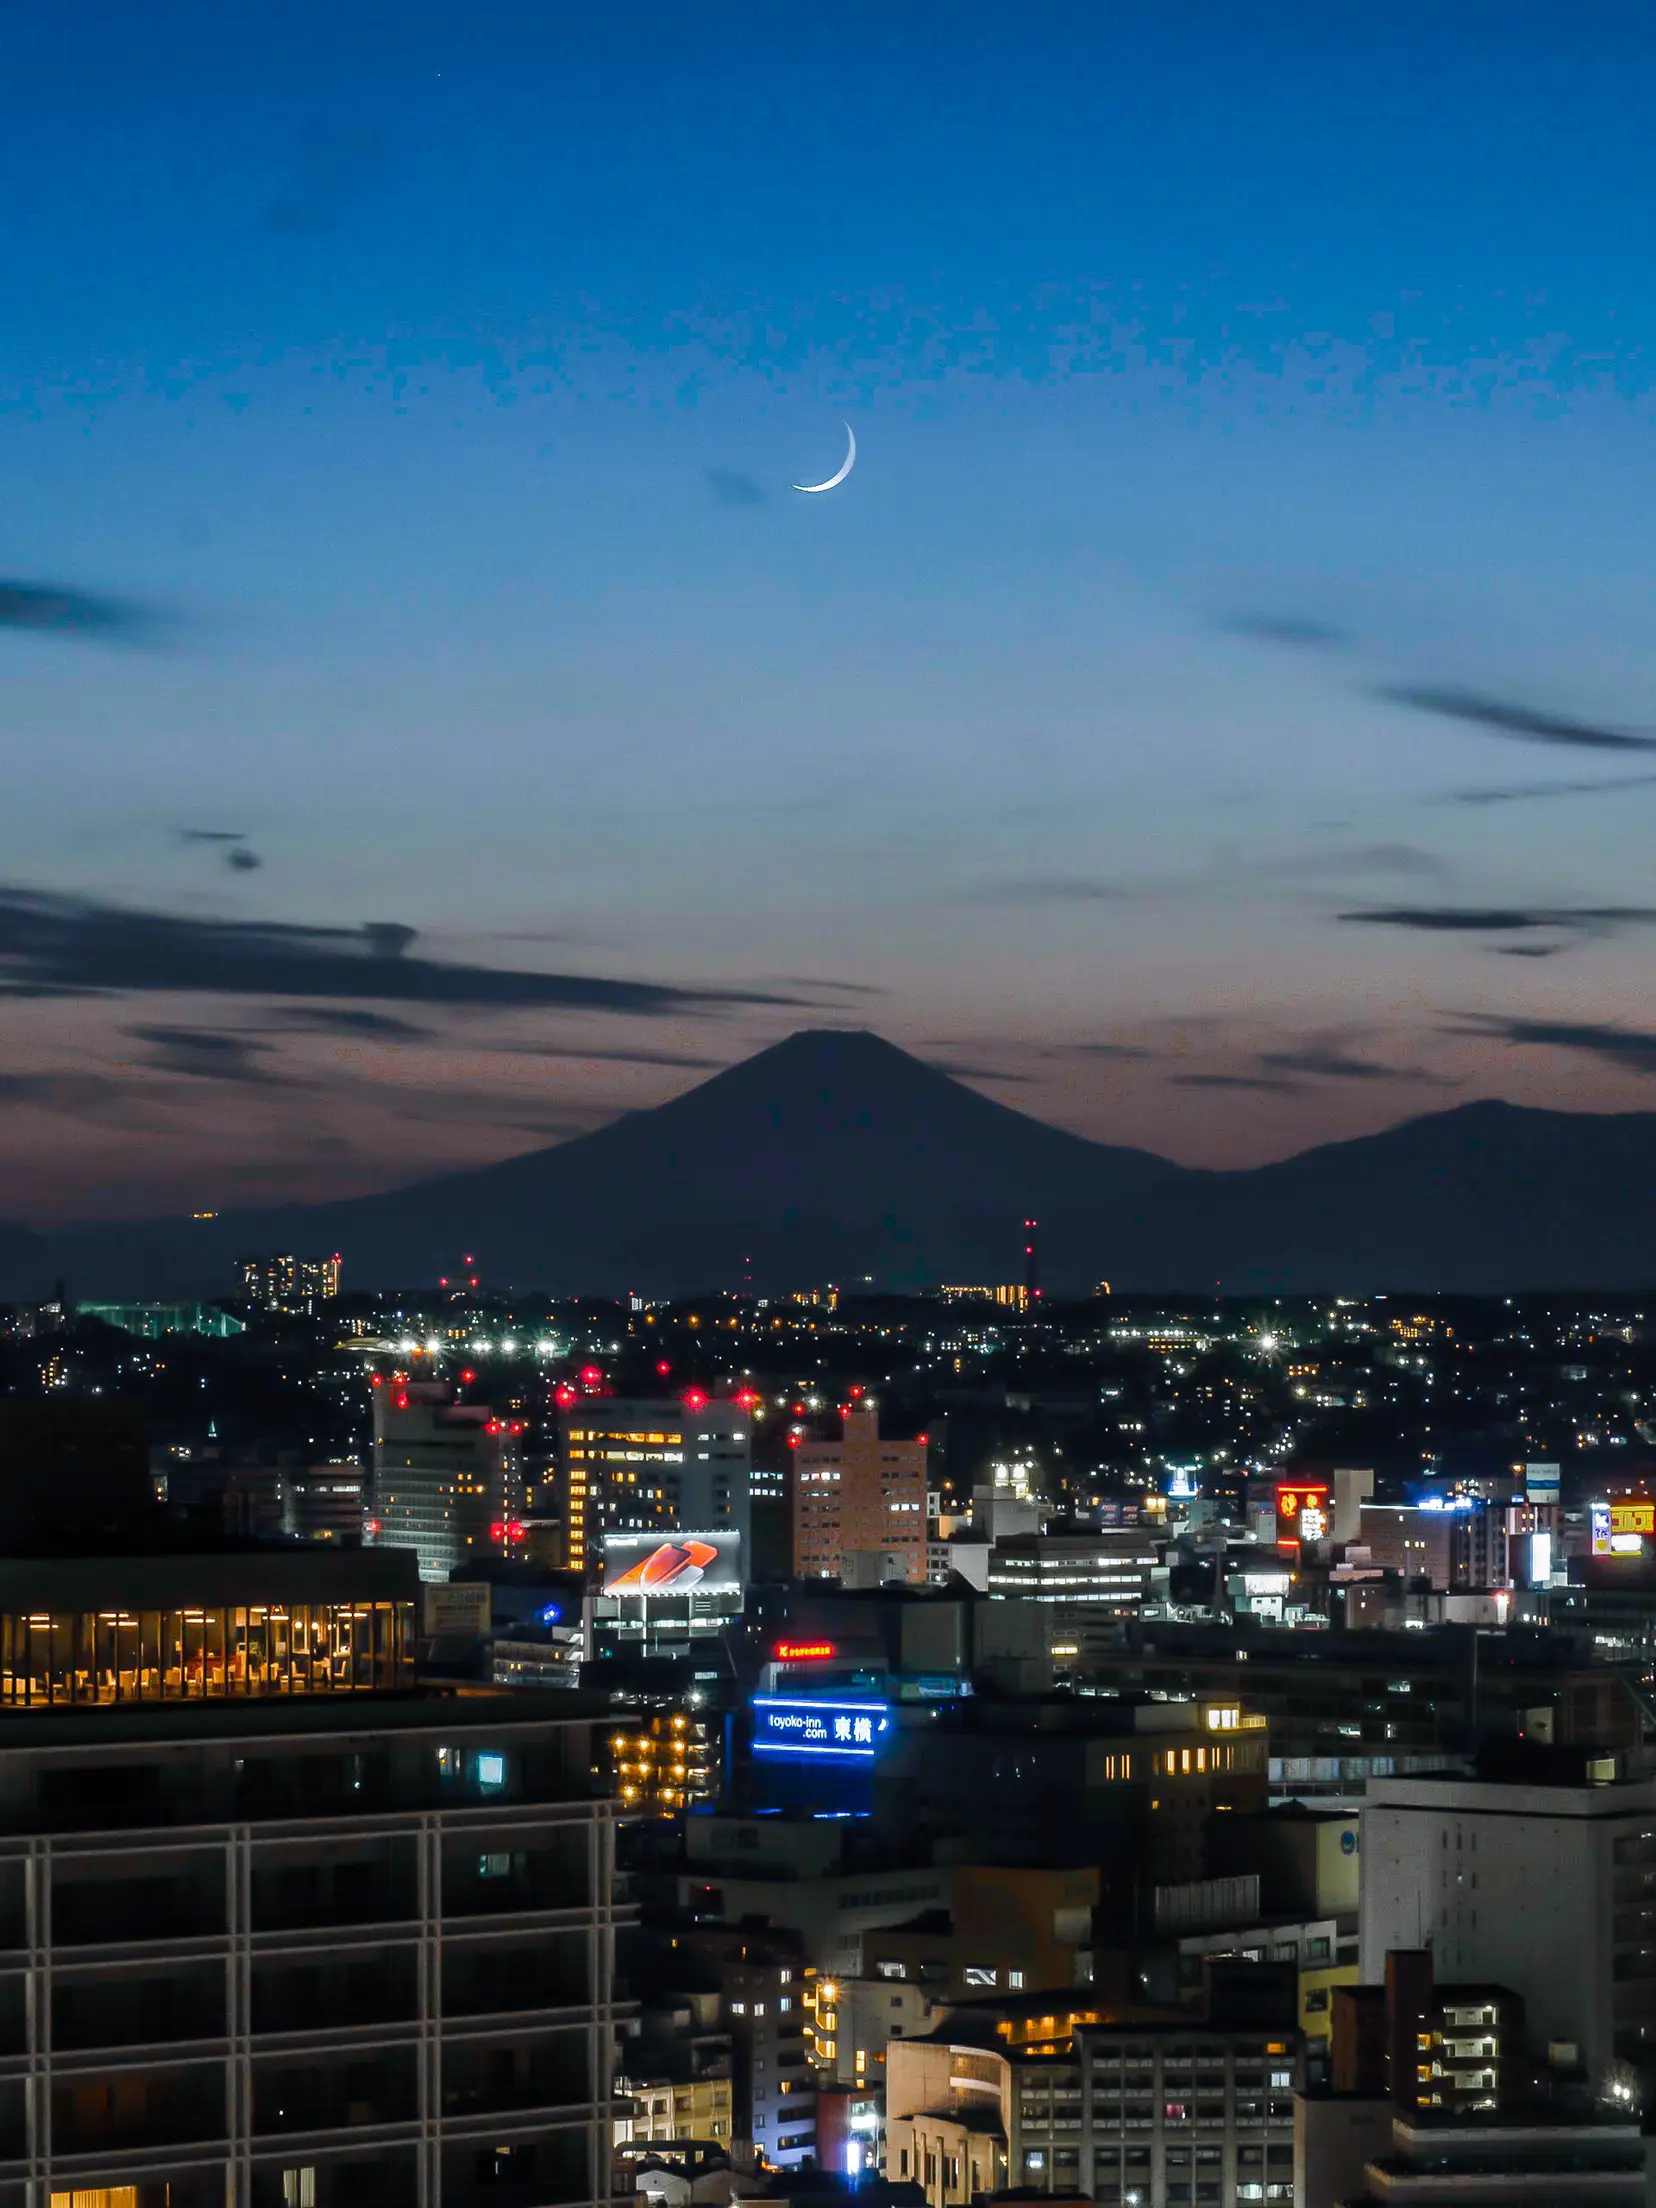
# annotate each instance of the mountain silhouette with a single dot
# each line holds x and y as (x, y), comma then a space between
(835, 1156)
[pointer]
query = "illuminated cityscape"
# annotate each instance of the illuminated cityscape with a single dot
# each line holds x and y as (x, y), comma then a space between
(827, 1165)
(1116, 1702)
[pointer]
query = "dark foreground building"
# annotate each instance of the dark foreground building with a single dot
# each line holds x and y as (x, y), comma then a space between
(277, 1930)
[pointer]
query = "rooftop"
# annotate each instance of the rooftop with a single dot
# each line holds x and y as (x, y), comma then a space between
(206, 1580)
(105, 1725)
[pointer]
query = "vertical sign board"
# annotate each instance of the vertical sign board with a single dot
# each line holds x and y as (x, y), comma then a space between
(1302, 1510)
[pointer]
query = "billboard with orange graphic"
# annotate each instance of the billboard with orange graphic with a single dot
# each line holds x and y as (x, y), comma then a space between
(637, 1565)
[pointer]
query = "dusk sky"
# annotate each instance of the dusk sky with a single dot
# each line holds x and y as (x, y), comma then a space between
(1218, 712)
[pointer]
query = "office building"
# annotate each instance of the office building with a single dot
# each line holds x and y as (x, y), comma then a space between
(1135, 1788)
(1347, 1708)
(1539, 1887)
(448, 1478)
(860, 1505)
(828, 1910)
(653, 1466)
(1416, 1544)
(1104, 1574)
(1323, 1950)
(1459, 1544)
(290, 1283)
(1002, 1930)
(304, 1502)
(1145, 2114)
(277, 1937)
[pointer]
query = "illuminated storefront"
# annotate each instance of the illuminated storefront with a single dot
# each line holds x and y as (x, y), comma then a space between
(203, 1629)
(189, 1655)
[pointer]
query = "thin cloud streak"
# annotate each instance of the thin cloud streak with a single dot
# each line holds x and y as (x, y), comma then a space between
(975, 1073)
(1516, 793)
(205, 1054)
(1503, 919)
(307, 1019)
(1326, 1065)
(573, 1051)
(1520, 722)
(1269, 1081)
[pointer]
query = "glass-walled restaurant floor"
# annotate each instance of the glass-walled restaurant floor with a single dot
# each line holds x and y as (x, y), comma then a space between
(58, 1658)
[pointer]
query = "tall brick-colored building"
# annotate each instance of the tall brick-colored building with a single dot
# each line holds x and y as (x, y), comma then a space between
(860, 1505)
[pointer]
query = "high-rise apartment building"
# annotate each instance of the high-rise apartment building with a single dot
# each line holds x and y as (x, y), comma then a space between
(860, 1505)
(644, 1466)
(448, 1477)
(289, 1283)
(274, 1936)
(775, 2085)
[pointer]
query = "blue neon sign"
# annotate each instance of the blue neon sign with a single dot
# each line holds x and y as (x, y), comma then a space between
(854, 1731)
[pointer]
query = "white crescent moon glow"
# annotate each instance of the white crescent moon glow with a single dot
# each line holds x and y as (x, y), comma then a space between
(833, 481)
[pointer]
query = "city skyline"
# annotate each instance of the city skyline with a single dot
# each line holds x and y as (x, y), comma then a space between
(1213, 716)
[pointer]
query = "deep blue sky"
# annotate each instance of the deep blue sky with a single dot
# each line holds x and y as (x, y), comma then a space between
(431, 379)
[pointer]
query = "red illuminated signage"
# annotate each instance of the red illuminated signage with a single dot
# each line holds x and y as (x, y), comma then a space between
(799, 1652)
(1302, 1509)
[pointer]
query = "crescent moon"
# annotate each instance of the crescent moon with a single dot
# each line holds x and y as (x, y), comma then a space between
(846, 466)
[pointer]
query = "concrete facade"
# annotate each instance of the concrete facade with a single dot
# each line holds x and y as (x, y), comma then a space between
(1550, 1890)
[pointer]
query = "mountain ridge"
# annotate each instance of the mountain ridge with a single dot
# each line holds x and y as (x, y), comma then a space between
(834, 1154)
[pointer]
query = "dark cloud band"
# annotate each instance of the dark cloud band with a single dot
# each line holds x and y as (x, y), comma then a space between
(1627, 1047)
(1503, 919)
(60, 944)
